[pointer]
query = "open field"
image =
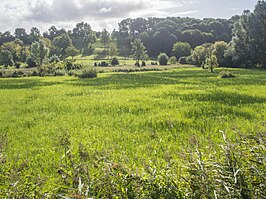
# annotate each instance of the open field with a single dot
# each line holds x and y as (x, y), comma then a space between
(49, 127)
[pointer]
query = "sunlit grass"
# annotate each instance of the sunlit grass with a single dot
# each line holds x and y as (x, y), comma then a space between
(128, 118)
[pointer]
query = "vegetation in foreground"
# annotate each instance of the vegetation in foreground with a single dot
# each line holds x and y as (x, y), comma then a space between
(183, 133)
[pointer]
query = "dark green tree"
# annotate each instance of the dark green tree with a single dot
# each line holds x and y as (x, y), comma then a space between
(6, 58)
(181, 49)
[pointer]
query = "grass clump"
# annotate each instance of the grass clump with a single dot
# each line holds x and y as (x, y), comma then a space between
(88, 72)
(226, 74)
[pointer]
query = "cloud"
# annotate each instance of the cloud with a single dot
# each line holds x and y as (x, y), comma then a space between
(74, 10)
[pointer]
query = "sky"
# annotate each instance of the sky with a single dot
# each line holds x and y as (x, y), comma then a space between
(108, 13)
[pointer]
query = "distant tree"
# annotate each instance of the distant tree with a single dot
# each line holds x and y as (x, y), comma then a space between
(113, 50)
(82, 36)
(105, 39)
(220, 48)
(21, 34)
(14, 48)
(35, 34)
(72, 51)
(62, 42)
(6, 58)
(211, 62)
(139, 50)
(39, 52)
(181, 49)
(163, 59)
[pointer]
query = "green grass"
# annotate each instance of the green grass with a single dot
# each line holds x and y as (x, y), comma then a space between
(134, 119)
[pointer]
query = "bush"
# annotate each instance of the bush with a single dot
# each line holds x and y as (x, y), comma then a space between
(226, 74)
(137, 64)
(143, 63)
(163, 59)
(114, 61)
(88, 72)
(95, 64)
(172, 60)
(103, 64)
(60, 73)
(183, 60)
(31, 62)
(54, 59)
(17, 64)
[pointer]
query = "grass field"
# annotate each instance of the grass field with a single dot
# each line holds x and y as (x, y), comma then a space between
(50, 126)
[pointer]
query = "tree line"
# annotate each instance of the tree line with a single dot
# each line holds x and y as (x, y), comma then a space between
(236, 42)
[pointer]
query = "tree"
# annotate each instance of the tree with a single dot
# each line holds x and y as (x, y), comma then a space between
(62, 42)
(257, 34)
(220, 48)
(34, 34)
(6, 58)
(139, 50)
(113, 50)
(211, 62)
(105, 39)
(72, 51)
(181, 49)
(82, 36)
(13, 48)
(163, 59)
(39, 52)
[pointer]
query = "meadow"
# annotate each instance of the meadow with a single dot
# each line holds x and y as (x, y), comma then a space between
(132, 135)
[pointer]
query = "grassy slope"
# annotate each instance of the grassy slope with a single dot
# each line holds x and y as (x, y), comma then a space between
(128, 118)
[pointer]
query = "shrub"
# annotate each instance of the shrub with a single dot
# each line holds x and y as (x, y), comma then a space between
(143, 63)
(103, 64)
(31, 62)
(60, 73)
(163, 59)
(226, 74)
(95, 64)
(88, 72)
(54, 59)
(17, 64)
(137, 64)
(183, 60)
(114, 61)
(172, 60)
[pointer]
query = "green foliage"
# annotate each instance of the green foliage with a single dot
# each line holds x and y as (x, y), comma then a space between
(54, 58)
(39, 52)
(181, 49)
(62, 42)
(163, 59)
(139, 50)
(211, 63)
(248, 45)
(6, 58)
(226, 74)
(31, 62)
(88, 72)
(183, 60)
(71, 51)
(114, 61)
(103, 64)
(172, 60)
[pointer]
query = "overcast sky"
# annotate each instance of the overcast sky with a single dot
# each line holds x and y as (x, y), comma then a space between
(107, 13)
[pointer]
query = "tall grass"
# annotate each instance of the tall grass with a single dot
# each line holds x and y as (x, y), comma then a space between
(134, 135)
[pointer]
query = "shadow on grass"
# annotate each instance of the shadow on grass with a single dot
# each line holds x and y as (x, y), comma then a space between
(153, 79)
(201, 78)
(221, 97)
(24, 83)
